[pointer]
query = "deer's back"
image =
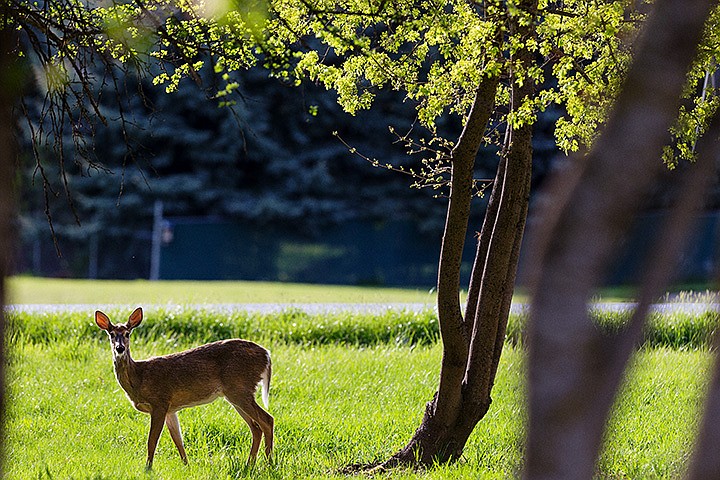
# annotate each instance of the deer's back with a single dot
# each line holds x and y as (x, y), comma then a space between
(201, 374)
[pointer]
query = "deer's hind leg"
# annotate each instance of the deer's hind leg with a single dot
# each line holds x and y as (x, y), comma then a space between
(267, 424)
(258, 423)
(173, 425)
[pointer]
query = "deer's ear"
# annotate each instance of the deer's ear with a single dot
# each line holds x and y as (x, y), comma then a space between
(103, 321)
(135, 318)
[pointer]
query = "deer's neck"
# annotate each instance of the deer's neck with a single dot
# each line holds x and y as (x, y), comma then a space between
(126, 371)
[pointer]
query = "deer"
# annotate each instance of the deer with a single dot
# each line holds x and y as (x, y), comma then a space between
(161, 386)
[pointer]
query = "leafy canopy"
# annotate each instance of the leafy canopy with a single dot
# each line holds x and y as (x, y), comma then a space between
(434, 52)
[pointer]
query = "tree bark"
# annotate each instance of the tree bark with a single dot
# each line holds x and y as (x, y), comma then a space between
(473, 343)
(452, 329)
(575, 371)
(435, 439)
(504, 230)
(705, 462)
(9, 79)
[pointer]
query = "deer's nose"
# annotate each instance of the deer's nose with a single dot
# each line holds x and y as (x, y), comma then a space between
(119, 348)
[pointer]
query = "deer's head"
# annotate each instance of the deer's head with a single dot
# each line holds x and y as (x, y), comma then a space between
(119, 334)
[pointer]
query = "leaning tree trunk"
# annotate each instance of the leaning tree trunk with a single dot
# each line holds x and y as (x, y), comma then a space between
(574, 371)
(472, 343)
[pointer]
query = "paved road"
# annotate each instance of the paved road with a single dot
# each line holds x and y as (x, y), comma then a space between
(325, 308)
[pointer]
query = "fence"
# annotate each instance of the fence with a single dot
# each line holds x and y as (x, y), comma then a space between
(354, 253)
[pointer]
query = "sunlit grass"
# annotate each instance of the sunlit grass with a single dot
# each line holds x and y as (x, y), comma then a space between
(32, 290)
(25, 290)
(651, 434)
(335, 403)
(333, 406)
(186, 324)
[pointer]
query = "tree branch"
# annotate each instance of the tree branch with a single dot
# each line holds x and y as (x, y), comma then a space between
(452, 329)
(498, 252)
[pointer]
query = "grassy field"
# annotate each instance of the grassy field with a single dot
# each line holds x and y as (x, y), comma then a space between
(32, 290)
(346, 389)
(333, 406)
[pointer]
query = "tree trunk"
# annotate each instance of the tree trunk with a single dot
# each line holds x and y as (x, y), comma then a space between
(9, 79)
(437, 438)
(472, 344)
(575, 371)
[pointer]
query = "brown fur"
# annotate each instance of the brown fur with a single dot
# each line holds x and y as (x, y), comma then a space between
(160, 386)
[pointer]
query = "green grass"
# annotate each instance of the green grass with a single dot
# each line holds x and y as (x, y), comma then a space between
(333, 406)
(655, 421)
(33, 290)
(187, 324)
(338, 396)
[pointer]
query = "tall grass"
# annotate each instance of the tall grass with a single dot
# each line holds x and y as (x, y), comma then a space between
(190, 325)
(655, 418)
(676, 329)
(347, 388)
(185, 324)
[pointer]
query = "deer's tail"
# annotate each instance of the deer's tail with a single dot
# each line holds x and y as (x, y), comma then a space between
(265, 380)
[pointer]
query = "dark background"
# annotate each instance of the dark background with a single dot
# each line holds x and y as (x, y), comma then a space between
(266, 191)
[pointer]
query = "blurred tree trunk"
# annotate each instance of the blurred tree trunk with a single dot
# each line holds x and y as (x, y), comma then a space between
(706, 461)
(9, 88)
(473, 341)
(574, 371)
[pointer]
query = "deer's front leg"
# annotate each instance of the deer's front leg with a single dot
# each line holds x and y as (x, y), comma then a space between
(157, 419)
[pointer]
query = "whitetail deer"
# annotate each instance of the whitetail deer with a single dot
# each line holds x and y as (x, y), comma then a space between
(163, 385)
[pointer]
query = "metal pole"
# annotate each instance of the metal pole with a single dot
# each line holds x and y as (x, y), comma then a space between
(156, 241)
(93, 256)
